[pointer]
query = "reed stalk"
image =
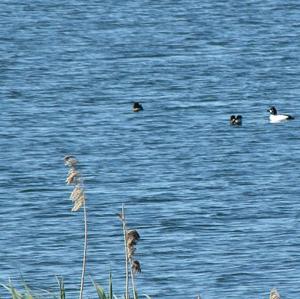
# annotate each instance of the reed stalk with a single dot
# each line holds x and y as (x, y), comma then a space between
(84, 251)
(78, 198)
(133, 282)
(130, 240)
(126, 253)
(62, 292)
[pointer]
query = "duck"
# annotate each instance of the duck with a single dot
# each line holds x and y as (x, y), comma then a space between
(274, 117)
(137, 107)
(236, 120)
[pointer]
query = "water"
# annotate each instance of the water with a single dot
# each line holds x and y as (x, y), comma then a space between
(217, 207)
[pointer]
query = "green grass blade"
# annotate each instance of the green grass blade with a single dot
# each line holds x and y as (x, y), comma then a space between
(28, 294)
(12, 290)
(110, 295)
(100, 291)
(62, 292)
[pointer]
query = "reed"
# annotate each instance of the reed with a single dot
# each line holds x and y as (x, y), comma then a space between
(101, 292)
(274, 294)
(15, 294)
(131, 237)
(61, 285)
(27, 293)
(78, 198)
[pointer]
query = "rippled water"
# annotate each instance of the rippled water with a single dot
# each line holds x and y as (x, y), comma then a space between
(217, 207)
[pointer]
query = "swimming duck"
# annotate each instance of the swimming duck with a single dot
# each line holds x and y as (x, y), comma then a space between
(274, 117)
(236, 120)
(137, 107)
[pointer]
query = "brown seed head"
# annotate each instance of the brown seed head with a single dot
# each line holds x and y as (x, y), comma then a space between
(136, 267)
(132, 234)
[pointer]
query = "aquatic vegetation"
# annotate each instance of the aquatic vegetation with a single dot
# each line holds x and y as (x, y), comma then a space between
(27, 293)
(101, 292)
(274, 294)
(131, 237)
(15, 294)
(78, 198)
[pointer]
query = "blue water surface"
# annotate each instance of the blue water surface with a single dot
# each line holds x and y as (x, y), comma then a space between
(217, 207)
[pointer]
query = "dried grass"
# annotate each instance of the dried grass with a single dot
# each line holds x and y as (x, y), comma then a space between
(274, 294)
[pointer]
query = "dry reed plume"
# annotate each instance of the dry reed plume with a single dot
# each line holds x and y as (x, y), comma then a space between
(131, 237)
(78, 198)
(274, 294)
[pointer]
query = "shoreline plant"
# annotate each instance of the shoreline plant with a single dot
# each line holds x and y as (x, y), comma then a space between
(274, 294)
(78, 198)
(132, 266)
(130, 236)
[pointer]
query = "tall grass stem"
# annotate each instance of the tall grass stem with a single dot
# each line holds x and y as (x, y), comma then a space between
(126, 254)
(84, 251)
